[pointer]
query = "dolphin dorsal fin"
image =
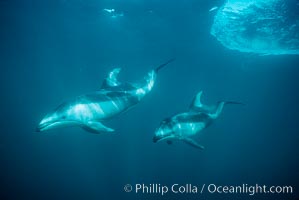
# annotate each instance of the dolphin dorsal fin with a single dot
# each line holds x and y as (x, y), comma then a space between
(196, 102)
(197, 106)
(111, 80)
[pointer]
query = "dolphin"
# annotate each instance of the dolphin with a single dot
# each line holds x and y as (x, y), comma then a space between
(185, 125)
(90, 110)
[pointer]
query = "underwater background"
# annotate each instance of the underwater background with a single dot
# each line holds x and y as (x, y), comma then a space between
(54, 50)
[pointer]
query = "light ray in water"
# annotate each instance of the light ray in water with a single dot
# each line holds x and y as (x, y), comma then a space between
(261, 27)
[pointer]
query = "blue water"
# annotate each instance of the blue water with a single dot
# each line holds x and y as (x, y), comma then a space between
(54, 50)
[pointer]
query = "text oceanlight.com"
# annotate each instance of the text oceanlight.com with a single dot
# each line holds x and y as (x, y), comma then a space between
(207, 188)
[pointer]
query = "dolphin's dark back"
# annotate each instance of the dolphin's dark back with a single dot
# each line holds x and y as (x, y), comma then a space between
(108, 97)
(195, 118)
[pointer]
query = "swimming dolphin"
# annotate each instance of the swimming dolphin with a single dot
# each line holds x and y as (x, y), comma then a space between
(90, 110)
(185, 125)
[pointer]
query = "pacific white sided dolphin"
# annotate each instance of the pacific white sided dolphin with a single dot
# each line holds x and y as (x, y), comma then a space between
(90, 110)
(185, 125)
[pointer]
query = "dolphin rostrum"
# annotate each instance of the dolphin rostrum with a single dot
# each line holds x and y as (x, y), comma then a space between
(185, 125)
(90, 110)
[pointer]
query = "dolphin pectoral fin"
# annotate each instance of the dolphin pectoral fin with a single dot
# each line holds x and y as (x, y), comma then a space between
(111, 80)
(96, 127)
(193, 143)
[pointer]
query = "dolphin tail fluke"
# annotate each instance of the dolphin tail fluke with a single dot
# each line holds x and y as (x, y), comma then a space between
(197, 106)
(213, 111)
(193, 143)
(96, 127)
(111, 80)
(220, 106)
(163, 65)
(196, 102)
